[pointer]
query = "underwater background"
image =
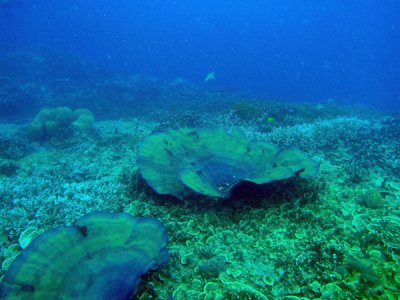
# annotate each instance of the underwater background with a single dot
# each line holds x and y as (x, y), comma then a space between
(171, 110)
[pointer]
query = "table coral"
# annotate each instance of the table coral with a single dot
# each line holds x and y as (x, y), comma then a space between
(213, 161)
(102, 257)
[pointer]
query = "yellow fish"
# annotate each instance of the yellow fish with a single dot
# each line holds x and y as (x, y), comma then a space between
(270, 120)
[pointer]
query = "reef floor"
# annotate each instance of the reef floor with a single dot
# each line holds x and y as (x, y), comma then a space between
(335, 236)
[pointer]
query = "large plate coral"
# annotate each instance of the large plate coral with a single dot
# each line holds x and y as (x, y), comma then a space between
(212, 161)
(102, 257)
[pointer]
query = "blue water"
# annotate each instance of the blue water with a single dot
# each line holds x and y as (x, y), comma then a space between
(345, 51)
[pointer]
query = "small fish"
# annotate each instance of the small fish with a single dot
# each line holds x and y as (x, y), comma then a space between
(194, 134)
(210, 76)
(248, 149)
(169, 152)
(270, 120)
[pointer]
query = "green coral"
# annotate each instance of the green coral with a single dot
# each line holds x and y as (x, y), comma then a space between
(102, 257)
(83, 119)
(212, 162)
(8, 167)
(231, 290)
(50, 122)
(246, 111)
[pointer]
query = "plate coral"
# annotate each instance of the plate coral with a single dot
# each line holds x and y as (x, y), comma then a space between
(102, 257)
(212, 161)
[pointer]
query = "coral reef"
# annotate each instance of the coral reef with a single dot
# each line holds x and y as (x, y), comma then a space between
(246, 111)
(13, 142)
(304, 239)
(333, 236)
